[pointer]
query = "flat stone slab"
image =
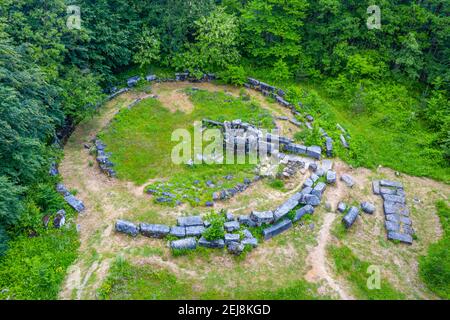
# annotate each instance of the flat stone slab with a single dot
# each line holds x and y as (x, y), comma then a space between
(276, 229)
(262, 217)
(253, 242)
(392, 226)
(405, 238)
(319, 189)
(215, 244)
(190, 221)
(350, 217)
(386, 190)
(194, 231)
(393, 198)
(184, 244)
(78, 205)
(127, 227)
(311, 199)
(177, 231)
(392, 184)
(232, 237)
(348, 180)
(290, 204)
(395, 208)
(231, 226)
(154, 230)
(308, 209)
(314, 152)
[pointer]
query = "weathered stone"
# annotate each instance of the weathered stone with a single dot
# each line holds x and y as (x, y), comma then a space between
(341, 207)
(177, 231)
(309, 118)
(350, 217)
(53, 171)
(261, 217)
(326, 165)
(406, 238)
(407, 229)
(344, 141)
(308, 209)
(131, 82)
(295, 122)
(190, 221)
(308, 183)
(306, 190)
(245, 220)
(232, 237)
(392, 184)
(75, 203)
(277, 229)
(45, 220)
(405, 220)
(290, 204)
(329, 147)
(154, 230)
(235, 248)
(60, 188)
(395, 208)
(253, 242)
(348, 180)
(392, 226)
(320, 172)
(60, 219)
(127, 228)
(393, 218)
(209, 204)
(151, 77)
(194, 231)
(311, 200)
(231, 226)
(314, 177)
(296, 148)
(312, 166)
(393, 198)
(376, 187)
(184, 244)
(385, 190)
(214, 244)
(229, 216)
(319, 189)
(331, 177)
(247, 234)
(368, 207)
(314, 152)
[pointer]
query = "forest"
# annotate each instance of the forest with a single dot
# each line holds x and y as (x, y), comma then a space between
(391, 85)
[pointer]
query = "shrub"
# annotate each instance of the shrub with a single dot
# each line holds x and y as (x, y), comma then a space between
(234, 75)
(216, 230)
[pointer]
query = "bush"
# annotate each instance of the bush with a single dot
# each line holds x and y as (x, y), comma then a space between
(234, 75)
(434, 268)
(216, 230)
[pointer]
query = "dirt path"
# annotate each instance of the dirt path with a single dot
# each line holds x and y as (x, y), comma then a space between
(318, 262)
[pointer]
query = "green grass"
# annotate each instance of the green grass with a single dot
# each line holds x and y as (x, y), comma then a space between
(354, 271)
(141, 146)
(434, 268)
(34, 268)
(128, 281)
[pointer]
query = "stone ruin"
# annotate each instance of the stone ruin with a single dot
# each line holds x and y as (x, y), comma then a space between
(103, 159)
(70, 198)
(397, 216)
(189, 230)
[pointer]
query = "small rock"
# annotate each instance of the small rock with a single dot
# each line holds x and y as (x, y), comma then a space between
(341, 207)
(348, 180)
(235, 248)
(368, 207)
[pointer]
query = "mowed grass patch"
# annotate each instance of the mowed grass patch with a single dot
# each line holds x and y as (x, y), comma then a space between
(140, 138)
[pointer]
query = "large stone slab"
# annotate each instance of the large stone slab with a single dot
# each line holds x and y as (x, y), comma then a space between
(178, 231)
(296, 148)
(405, 238)
(308, 209)
(184, 244)
(190, 221)
(395, 208)
(392, 226)
(348, 180)
(194, 231)
(154, 230)
(350, 217)
(231, 226)
(78, 205)
(311, 199)
(392, 184)
(393, 198)
(214, 244)
(261, 217)
(314, 152)
(319, 189)
(290, 204)
(126, 227)
(277, 229)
